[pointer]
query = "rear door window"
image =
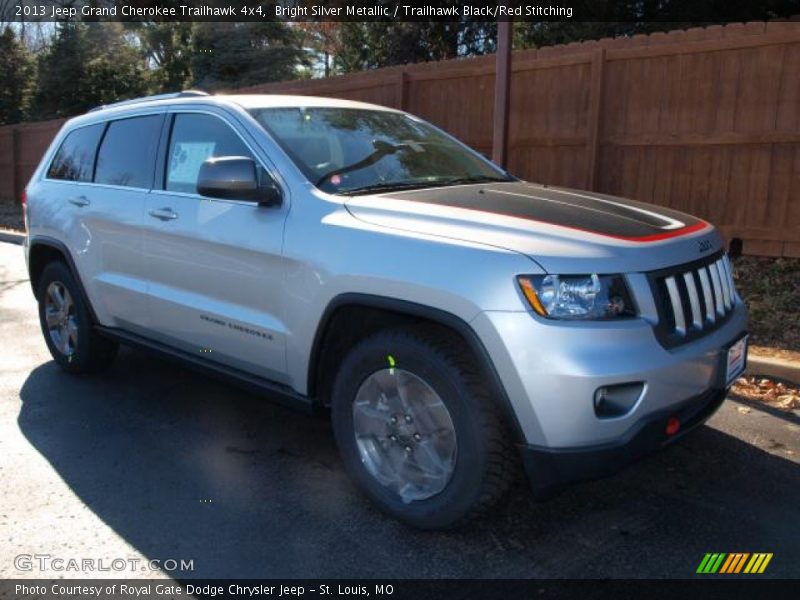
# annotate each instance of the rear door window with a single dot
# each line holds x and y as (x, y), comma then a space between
(74, 160)
(127, 153)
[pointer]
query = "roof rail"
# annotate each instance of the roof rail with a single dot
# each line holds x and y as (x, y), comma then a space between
(183, 94)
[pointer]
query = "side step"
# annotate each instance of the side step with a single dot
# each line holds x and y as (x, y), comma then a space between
(276, 392)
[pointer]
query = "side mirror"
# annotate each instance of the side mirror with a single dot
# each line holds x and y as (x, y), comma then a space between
(236, 178)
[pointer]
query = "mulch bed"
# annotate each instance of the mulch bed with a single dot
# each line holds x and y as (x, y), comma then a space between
(771, 289)
(11, 216)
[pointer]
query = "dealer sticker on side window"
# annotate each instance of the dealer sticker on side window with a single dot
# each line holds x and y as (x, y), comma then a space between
(737, 358)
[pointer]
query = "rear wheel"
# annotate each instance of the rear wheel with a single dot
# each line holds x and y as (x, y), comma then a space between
(417, 429)
(67, 326)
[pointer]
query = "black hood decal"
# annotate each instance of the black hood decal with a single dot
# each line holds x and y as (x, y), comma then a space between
(584, 211)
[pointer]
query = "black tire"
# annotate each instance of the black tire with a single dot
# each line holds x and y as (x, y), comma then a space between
(92, 353)
(486, 460)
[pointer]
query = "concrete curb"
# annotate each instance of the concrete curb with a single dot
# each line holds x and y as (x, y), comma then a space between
(774, 367)
(11, 237)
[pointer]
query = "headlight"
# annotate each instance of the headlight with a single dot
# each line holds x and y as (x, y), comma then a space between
(582, 297)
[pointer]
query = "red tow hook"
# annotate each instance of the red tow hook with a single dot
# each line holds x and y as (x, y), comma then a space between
(673, 425)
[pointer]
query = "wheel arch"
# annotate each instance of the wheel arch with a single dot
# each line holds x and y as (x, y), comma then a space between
(41, 251)
(370, 313)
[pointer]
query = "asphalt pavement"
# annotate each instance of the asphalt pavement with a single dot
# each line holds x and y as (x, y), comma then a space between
(151, 461)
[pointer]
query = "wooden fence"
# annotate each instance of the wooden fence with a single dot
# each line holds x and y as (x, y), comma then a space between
(21, 148)
(705, 120)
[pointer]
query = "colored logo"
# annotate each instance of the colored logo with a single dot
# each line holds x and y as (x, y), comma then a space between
(736, 562)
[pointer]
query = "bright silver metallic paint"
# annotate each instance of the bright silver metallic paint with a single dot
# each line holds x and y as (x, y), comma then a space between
(275, 270)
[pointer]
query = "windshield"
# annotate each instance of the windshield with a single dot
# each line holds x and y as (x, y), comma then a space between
(350, 151)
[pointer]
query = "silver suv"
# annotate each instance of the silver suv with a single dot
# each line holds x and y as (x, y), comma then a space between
(460, 324)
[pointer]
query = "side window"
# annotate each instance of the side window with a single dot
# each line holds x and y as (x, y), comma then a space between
(127, 153)
(74, 160)
(196, 138)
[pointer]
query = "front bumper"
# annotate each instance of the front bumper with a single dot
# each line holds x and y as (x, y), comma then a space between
(550, 372)
(548, 469)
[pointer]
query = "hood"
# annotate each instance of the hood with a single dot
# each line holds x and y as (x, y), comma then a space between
(564, 230)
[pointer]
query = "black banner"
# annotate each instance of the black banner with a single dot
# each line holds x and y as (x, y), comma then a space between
(394, 10)
(711, 588)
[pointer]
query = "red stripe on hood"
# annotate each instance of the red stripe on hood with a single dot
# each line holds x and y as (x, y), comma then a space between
(641, 239)
(663, 236)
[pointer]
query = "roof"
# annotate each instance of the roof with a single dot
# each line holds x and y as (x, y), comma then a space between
(246, 101)
(278, 100)
(189, 99)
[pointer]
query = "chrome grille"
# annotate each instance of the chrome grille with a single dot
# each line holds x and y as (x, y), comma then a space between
(693, 299)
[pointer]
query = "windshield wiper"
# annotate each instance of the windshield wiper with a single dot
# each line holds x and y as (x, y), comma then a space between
(389, 186)
(475, 179)
(385, 186)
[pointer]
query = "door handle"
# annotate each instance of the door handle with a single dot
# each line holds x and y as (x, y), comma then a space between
(165, 214)
(80, 201)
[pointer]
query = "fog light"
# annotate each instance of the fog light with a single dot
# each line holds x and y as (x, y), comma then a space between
(616, 400)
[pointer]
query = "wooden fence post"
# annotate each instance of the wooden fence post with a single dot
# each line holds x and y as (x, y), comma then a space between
(594, 118)
(402, 90)
(502, 87)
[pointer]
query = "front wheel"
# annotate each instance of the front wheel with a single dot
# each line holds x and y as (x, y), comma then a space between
(417, 429)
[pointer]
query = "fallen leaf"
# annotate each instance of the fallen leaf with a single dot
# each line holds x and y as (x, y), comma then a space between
(776, 394)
